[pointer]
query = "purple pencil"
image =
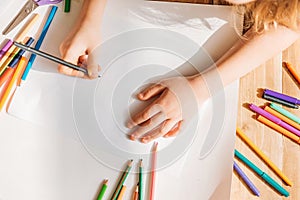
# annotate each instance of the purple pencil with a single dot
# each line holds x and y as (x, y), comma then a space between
(274, 119)
(246, 179)
(5, 48)
(283, 97)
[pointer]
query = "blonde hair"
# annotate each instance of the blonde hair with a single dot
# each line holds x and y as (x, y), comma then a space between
(262, 15)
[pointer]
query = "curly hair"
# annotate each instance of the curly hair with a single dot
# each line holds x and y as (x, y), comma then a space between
(262, 15)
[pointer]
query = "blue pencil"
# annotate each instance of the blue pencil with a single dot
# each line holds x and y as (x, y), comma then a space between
(40, 41)
(246, 179)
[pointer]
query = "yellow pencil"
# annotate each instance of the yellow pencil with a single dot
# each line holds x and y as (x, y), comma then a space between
(263, 156)
(282, 117)
(21, 65)
(122, 192)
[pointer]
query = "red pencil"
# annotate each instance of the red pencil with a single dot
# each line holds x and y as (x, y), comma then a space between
(153, 170)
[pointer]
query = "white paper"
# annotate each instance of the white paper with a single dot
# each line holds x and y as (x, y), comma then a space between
(84, 111)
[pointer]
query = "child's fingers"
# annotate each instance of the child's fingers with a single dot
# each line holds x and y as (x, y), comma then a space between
(143, 116)
(93, 70)
(174, 131)
(71, 55)
(143, 129)
(151, 91)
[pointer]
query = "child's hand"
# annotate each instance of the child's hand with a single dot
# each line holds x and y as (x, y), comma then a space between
(164, 116)
(76, 47)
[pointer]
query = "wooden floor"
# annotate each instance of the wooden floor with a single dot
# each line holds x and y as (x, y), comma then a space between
(282, 151)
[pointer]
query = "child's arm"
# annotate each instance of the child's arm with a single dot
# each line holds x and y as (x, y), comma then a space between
(85, 36)
(242, 58)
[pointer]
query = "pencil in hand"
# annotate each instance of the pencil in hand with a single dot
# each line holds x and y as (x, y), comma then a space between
(51, 57)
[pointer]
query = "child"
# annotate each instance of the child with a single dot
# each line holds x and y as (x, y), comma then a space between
(273, 26)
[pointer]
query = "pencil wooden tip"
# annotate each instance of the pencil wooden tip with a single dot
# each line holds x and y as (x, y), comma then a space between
(105, 181)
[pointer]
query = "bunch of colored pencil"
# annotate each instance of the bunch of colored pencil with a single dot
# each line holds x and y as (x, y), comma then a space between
(279, 119)
(13, 65)
(260, 173)
(138, 193)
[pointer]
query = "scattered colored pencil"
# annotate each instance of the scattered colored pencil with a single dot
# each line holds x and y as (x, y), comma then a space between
(153, 171)
(140, 188)
(122, 180)
(285, 113)
(135, 195)
(122, 192)
(40, 40)
(12, 82)
(279, 129)
(262, 156)
(293, 71)
(67, 5)
(282, 117)
(262, 174)
(103, 190)
(245, 179)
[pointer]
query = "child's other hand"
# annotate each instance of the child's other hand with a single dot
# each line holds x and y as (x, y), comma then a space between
(164, 116)
(76, 48)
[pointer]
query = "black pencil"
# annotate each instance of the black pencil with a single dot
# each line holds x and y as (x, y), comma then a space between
(51, 57)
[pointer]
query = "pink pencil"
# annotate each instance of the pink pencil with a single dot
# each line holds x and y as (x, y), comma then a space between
(153, 170)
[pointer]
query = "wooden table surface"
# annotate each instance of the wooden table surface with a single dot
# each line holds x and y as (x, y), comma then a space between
(281, 150)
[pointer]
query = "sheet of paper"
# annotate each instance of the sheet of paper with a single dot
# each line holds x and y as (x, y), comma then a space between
(144, 41)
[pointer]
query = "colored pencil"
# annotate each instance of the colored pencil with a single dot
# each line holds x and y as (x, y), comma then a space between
(281, 96)
(140, 188)
(67, 5)
(285, 113)
(20, 53)
(284, 103)
(279, 129)
(122, 192)
(7, 91)
(40, 40)
(293, 71)
(7, 75)
(13, 50)
(153, 171)
(245, 179)
(122, 180)
(135, 195)
(282, 117)
(103, 190)
(5, 48)
(262, 174)
(262, 156)
(274, 119)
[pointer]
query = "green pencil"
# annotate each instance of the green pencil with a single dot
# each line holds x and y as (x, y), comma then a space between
(67, 5)
(122, 180)
(262, 174)
(285, 113)
(141, 180)
(103, 189)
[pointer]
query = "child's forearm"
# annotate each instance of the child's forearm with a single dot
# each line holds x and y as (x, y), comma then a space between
(246, 55)
(92, 12)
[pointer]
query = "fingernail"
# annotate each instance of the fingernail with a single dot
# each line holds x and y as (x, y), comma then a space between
(145, 139)
(129, 125)
(132, 137)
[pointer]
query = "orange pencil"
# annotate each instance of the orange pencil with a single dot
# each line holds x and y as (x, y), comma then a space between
(21, 65)
(153, 171)
(7, 75)
(279, 129)
(122, 192)
(292, 71)
(282, 117)
(135, 195)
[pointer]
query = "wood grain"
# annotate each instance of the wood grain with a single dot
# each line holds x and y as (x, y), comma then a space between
(282, 151)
